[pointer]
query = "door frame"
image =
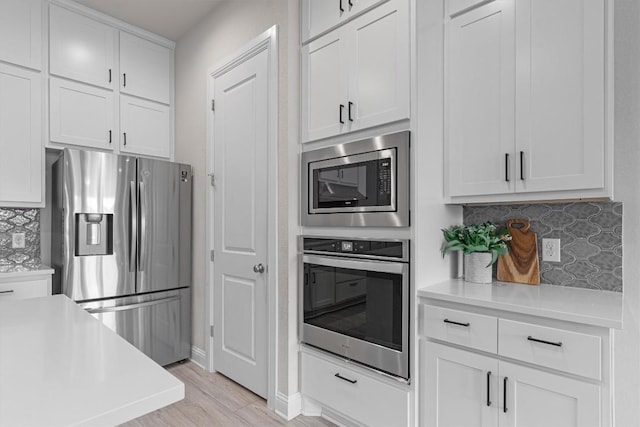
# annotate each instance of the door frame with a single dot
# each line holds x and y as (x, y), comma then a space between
(266, 41)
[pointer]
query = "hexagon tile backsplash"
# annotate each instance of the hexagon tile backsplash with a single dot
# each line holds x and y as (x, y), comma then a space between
(25, 221)
(590, 236)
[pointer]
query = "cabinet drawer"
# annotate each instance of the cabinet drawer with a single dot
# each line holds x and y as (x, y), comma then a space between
(25, 289)
(356, 395)
(567, 351)
(460, 327)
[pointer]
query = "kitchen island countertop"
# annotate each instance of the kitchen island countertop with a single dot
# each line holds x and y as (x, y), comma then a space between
(59, 366)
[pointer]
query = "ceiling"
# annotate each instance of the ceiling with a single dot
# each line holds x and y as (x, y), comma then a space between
(168, 18)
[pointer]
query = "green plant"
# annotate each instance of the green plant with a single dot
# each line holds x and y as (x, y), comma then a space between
(476, 238)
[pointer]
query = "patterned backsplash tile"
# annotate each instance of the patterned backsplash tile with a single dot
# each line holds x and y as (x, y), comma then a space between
(590, 239)
(25, 221)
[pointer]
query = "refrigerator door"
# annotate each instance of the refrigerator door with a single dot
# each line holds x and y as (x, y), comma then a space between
(97, 194)
(158, 324)
(164, 225)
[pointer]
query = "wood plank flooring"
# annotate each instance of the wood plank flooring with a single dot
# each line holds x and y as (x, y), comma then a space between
(214, 400)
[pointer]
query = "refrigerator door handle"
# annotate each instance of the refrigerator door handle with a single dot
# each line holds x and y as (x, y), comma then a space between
(133, 231)
(143, 228)
(132, 306)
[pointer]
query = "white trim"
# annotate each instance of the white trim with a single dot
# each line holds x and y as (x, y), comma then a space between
(266, 41)
(198, 356)
(288, 407)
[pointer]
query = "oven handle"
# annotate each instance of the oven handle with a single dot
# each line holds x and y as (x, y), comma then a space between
(368, 265)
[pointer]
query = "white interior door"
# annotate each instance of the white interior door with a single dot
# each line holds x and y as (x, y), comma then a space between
(240, 222)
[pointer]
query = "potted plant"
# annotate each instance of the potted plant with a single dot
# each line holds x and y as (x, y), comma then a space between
(481, 244)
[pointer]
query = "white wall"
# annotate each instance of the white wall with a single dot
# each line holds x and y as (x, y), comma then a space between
(219, 35)
(627, 177)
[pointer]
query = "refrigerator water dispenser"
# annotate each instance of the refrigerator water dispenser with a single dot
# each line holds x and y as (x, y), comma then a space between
(94, 234)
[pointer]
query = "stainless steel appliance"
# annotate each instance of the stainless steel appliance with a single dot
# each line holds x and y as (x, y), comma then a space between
(121, 246)
(355, 300)
(363, 183)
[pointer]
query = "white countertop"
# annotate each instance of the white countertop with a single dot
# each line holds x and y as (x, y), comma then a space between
(59, 366)
(599, 308)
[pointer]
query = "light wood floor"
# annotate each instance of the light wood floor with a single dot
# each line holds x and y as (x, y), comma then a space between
(214, 400)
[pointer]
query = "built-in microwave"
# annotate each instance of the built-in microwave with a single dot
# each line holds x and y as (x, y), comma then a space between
(363, 183)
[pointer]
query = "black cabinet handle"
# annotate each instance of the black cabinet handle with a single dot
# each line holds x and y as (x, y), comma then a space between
(109, 137)
(341, 8)
(557, 344)
(522, 165)
(466, 325)
(489, 388)
(341, 111)
(125, 138)
(506, 167)
(346, 379)
(350, 4)
(109, 75)
(124, 79)
(349, 111)
(504, 394)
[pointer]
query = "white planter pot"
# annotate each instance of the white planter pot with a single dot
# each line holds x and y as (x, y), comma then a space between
(475, 267)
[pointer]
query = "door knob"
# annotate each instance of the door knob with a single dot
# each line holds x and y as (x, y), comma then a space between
(258, 268)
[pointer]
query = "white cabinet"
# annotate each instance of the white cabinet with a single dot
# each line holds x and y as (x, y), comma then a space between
(526, 100)
(145, 127)
(146, 68)
(22, 159)
(357, 76)
(319, 16)
(25, 285)
(81, 115)
(21, 32)
(81, 48)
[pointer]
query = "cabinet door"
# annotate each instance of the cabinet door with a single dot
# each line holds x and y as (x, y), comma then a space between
(22, 158)
(324, 86)
(460, 388)
(21, 32)
(81, 114)
(145, 68)
(560, 93)
(379, 67)
(80, 48)
(145, 127)
(319, 16)
(479, 124)
(536, 398)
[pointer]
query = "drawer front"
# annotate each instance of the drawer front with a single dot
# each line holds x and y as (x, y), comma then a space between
(554, 348)
(358, 396)
(460, 327)
(25, 289)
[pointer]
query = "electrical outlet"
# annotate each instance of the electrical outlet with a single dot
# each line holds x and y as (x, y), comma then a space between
(551, 250)
(17, 240)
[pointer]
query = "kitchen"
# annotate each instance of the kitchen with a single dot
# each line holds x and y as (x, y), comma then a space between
(233, 24)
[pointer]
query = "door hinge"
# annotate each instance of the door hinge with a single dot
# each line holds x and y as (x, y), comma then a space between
(211, 331)
(211, 255)
(213, 105)
(212, 176)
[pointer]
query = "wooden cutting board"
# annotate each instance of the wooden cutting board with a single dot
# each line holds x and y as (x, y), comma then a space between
(520, 263)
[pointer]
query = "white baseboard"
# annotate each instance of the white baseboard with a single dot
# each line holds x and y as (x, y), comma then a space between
(199, 357)
(288, 407)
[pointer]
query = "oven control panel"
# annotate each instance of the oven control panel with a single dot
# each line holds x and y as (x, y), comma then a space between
(394, 249)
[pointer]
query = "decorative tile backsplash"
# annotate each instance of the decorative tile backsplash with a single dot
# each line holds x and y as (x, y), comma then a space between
(590, 239)
(25, 221)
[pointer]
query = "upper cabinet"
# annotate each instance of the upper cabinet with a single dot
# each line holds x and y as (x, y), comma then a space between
(319, 16)
(357, 76)
(528, 100)
(21, 32)
(146, 68)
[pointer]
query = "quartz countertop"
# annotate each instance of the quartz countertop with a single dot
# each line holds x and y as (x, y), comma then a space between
(59, 366)
(7, 271)
(598, 308)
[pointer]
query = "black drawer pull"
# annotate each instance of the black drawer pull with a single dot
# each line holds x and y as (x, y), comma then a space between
(489, 388)
(506, 167)
(346, 379)
(504, 393)
(466, 325)
(557, 344)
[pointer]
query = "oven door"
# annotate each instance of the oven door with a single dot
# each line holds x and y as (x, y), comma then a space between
(357, 309)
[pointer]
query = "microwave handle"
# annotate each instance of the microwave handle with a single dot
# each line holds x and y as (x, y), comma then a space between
(368, 265)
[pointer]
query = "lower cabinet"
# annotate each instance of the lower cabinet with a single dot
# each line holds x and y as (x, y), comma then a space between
(353, 394)
(28, 286)
(463, 388)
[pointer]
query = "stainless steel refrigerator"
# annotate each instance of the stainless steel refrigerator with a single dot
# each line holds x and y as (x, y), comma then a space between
(121, 246)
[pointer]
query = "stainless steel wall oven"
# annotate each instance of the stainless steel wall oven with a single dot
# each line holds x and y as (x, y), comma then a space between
(363, 183)
(355, 300)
